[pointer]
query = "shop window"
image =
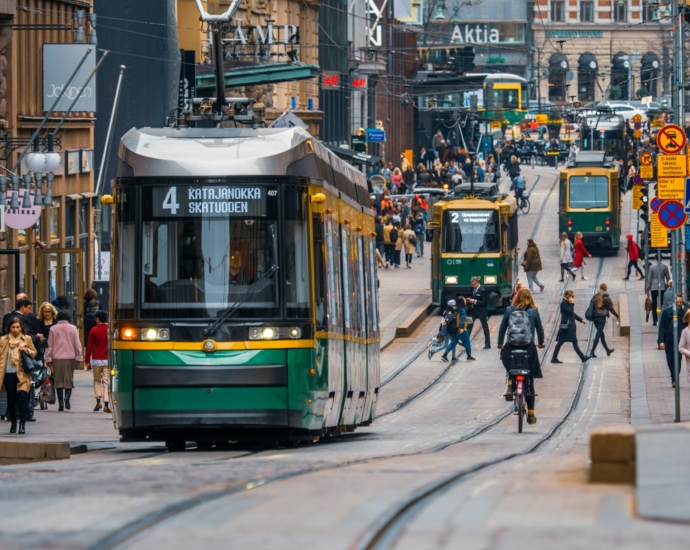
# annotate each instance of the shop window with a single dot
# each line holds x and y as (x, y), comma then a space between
(557, 11)
(586, 12)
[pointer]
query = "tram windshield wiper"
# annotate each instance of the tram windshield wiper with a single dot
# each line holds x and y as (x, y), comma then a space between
(225, 314)
(481, 249)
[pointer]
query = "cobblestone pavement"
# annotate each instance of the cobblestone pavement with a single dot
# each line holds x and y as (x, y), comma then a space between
(333, 493)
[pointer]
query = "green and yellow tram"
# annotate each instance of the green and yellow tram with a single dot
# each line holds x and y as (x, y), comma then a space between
(589, 201)
(475, 234)
(244, 288)
(505, 97)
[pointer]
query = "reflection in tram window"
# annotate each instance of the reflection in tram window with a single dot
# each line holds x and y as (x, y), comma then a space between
(589, 192)
(470, 231)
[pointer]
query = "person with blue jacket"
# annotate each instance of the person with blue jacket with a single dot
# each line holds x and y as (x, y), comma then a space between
(455, 321)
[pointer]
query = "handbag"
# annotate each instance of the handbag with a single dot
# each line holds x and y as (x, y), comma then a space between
(29, 364)
(589, 314)
(563, 326)
(648, 308)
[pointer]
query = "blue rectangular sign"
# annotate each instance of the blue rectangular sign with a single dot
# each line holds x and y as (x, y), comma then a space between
(687, 237)
(374, 135)
(687, 195)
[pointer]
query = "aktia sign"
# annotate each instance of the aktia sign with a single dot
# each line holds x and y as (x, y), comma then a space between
(475, 34)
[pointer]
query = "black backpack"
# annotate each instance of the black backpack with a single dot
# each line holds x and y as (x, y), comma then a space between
(520, 332)
(394, 236)
(451, 322)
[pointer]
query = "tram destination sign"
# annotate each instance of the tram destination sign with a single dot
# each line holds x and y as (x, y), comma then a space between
(211, 201)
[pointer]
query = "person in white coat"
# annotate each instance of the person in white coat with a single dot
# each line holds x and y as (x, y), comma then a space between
(566, 256)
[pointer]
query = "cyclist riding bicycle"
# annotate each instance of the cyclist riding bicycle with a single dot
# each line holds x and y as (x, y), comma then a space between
(519, 323)
(520, 187)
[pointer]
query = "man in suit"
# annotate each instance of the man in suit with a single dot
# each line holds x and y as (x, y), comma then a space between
(478, 301)
(665, 339)
(22, 310)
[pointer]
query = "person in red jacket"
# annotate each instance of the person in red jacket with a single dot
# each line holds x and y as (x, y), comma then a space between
(97, 357)
(580, 253)
(633, 256)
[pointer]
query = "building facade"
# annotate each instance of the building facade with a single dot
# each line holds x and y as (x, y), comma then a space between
(586, 50)
(55, 253)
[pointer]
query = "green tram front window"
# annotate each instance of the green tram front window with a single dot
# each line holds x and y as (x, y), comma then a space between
(470, 231)
(205, 249)
(588, 192)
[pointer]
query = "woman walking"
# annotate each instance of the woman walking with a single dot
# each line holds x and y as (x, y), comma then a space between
(568, 330)
(532, 265)
(14, 380)
(410, 243)
(64, 350)
(565, 256)
(580, 253)
(47, 315)
(603, 305)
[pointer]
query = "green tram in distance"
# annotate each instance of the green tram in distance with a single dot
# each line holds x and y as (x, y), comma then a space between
(505, 97)
(589, 201)
(475, 234)
(244, 288)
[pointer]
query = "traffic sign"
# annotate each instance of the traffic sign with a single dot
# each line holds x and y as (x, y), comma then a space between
(637, 118)
(637, 126)
(655, 204)
(687, 195)
(646, 159)
(647, 172)
(658, 235)
(637, 134)
(637, 180)
(672, 214)
(375, 135)
(671, 166)
(542, 119)
(671, 188)
(671, 139)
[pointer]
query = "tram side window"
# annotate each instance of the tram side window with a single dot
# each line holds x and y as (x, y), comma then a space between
(297, 276)
(513, 228)
(320, 274)
(470, 231)
(345, 244)
(588, 192)
(372, 290)
(361, 289)
(125, 245)
(333, 271)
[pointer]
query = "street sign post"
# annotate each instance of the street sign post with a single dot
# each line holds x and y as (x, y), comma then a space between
(672, 214)
(671, 166)
(647, 172)
(658, 234)
(671, 139)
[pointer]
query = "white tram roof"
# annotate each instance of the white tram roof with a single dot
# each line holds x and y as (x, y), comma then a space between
(221, 152)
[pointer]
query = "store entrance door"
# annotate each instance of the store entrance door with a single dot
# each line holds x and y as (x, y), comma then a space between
(61, 273)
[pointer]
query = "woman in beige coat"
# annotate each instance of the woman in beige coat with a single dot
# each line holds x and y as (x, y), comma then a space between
(398, 245)
(14, 380)
(684, 345)
(410, 245)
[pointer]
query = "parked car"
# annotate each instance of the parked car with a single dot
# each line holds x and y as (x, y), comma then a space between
(626, 110)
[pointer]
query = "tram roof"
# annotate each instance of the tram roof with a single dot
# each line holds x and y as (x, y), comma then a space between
(222, 152)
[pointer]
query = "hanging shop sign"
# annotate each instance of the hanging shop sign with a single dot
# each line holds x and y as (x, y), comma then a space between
(359, 82)
(187, 86)
(21, 218)
(59, 62)
(330, 80)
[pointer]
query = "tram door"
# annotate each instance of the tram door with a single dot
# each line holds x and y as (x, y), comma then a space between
(61, 273)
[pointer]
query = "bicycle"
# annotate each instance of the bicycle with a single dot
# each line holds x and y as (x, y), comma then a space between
(523, 202)
(521, 381)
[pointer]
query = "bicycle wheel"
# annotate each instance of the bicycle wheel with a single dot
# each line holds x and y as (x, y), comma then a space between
(525, 206)
(521, 410)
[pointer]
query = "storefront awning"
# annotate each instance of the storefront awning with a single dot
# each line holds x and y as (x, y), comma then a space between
(254, 75)
(559, 61)
(587, 62)
(354, 157)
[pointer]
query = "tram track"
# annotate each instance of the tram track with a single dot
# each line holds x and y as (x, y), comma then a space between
(150, 521)
(387, 531)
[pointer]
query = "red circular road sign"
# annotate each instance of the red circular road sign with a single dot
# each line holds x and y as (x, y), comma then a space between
(656, 203)
(671, 139)
(671, 214)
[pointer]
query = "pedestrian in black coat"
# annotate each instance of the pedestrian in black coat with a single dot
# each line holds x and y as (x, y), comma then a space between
(478, 302)
(568, 329)
(665, 339)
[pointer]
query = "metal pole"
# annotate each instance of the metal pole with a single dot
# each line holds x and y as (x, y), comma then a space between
(658, 271)
(676, 363)
(74, 102)
(52, 108)
(116, 100)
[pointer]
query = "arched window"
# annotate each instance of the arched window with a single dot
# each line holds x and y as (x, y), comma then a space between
(558, 71)
(649, 74)
(620, 77)
(587, 68)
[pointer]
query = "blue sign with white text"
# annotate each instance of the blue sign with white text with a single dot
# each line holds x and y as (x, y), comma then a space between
(374, 135)
(687, 195)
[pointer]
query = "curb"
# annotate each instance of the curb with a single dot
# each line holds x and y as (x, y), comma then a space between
(409, 325)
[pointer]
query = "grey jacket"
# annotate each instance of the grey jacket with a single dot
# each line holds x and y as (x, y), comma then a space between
(652, 282)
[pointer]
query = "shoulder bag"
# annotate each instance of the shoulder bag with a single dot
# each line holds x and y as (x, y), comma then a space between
(29, 364)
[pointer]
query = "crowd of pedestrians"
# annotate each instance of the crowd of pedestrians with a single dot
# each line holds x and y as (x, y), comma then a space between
(53, 340)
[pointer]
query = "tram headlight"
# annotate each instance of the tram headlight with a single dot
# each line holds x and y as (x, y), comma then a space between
(155, 334)
(490, 280)
(451, 280)
(274, 333)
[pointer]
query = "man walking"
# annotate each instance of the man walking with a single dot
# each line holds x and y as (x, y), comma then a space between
(478, 301)
(633, 255)
(532, 265)
(665, 339)
(656, 284)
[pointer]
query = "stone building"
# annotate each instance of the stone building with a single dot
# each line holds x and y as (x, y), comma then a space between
(67, 223)
(586, 50)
